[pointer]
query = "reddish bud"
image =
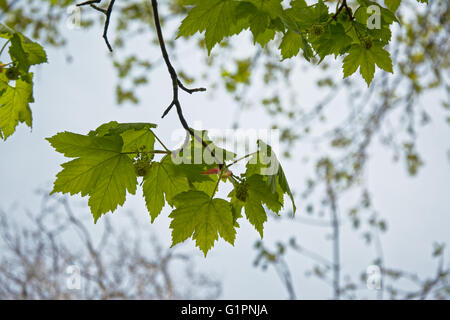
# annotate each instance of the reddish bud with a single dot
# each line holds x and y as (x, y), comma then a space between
(211, 171)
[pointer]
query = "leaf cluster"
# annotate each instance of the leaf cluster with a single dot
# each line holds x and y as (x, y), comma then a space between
(311, 30)
(108, 161)
(16, 80)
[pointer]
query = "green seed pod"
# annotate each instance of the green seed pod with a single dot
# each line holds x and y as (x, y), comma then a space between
(242, 191)
(367, 43)
(317, 29)
(12, 73)
(141, 165)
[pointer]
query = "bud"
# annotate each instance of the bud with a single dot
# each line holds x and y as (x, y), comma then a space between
(242, 191)
(367, 43)
(141, 165)
(12, 73)
(317, 29)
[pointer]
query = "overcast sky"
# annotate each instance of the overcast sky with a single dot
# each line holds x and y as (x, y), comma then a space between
(80, 96)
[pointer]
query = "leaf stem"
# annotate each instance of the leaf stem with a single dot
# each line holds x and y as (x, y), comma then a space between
(218, 181)
(161, 143)
(152, 151)
(242, 158)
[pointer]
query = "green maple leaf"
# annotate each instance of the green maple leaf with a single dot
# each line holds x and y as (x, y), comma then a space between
(136, 136)
(161, 184)
(266, 164)
(223, 18)
(259, 23)
(271, 7)
(133, 140)
(291, 44)
(100, 170)
(195, 153)
(24, 52)
(300, 16)
(208, 185)
(296, 20)
(392, 4)
(14, 105)
(365, 59)
(264, 37)
(217, 18)
(262, 15)
(202, 218)
(383, 32)
(258, 194)
(387, 16)
(15, 100)
(115, 128)
(333, 41)
(197, 180)
(6, 32)
(18, 54)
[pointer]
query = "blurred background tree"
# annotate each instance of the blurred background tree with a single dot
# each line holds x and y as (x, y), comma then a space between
(58, 254)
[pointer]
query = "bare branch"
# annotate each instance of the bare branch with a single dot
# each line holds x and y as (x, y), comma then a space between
(106, 12)
(176, 84)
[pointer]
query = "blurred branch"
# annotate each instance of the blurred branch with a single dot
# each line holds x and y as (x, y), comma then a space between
(113, 263)
(106, 12)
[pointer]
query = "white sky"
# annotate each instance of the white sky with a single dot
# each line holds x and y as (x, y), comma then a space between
(80, 96)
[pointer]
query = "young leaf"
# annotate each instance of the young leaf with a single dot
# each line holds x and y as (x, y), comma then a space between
(392, 4)
(365, 58)
(18, 54)
(202, 218)
(115, 128)
(291, 44)
(14, 101)
(271, 7)
(218, 18)
(333, 40)
(100, 170)
(15, 105)
(195, 153)
(255, 193)
(266, 164)
(161, 184)
(138, 140)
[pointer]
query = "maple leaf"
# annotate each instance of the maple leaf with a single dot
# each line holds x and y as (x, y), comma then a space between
(365, 59)
(14, 105)
(257, 194)
(100, 170)
(266, 164)
(217, 18)
(202, 218)
(161, 184)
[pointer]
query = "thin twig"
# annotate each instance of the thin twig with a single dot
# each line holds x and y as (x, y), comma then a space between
(336, 244)
(190, 91)
(106, 12)
(176, 85)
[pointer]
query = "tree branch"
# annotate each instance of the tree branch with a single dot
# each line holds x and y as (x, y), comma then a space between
(106, 12)
(176, 84)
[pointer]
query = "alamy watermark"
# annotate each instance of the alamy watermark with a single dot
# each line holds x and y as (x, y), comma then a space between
(374, 20)
(373, 281)
(237, 143)
(73, 280)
